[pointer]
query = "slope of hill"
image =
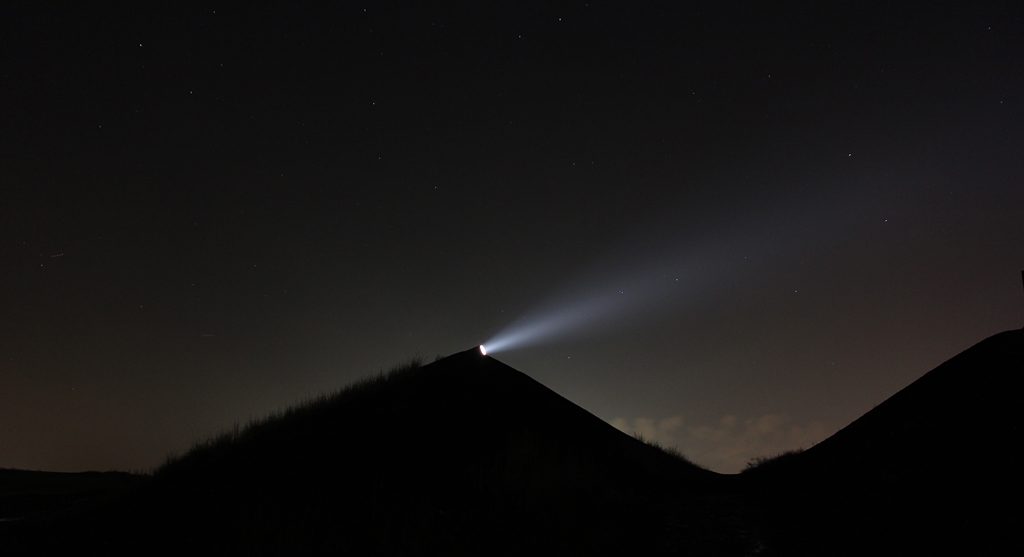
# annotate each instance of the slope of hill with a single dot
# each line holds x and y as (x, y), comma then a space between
(462, 456)
(934, 469)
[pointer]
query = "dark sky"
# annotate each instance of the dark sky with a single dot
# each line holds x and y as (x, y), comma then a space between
(210, 212)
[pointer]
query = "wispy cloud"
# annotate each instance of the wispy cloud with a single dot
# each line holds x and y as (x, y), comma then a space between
(727, 445)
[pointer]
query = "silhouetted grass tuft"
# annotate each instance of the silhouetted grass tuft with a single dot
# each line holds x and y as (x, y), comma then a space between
(768, 462)
(671, 451)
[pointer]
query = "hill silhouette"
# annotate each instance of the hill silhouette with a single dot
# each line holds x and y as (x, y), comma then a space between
(462, 456)
(467, 456)
(935, 469)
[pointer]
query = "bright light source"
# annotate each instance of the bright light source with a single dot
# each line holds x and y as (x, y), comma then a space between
(483, 351)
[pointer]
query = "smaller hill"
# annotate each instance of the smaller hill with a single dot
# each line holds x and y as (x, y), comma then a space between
(26, 493)
(933, 469)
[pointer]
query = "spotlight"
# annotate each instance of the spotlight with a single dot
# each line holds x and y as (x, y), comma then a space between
(483, 351)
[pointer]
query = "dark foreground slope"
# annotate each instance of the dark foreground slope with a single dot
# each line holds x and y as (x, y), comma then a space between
(28, 493)
(935, 469)
(463, 456)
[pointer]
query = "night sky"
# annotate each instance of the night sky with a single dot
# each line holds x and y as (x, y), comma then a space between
(742, 225)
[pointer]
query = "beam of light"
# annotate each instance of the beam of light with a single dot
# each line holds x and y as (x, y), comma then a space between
(683, 274)
(483, 350)
(604, 306)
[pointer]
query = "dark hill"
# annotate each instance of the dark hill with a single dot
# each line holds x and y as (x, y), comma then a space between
(935, 469)
(462, 456)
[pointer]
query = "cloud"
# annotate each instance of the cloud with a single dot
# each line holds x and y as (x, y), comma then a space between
(727, 445)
